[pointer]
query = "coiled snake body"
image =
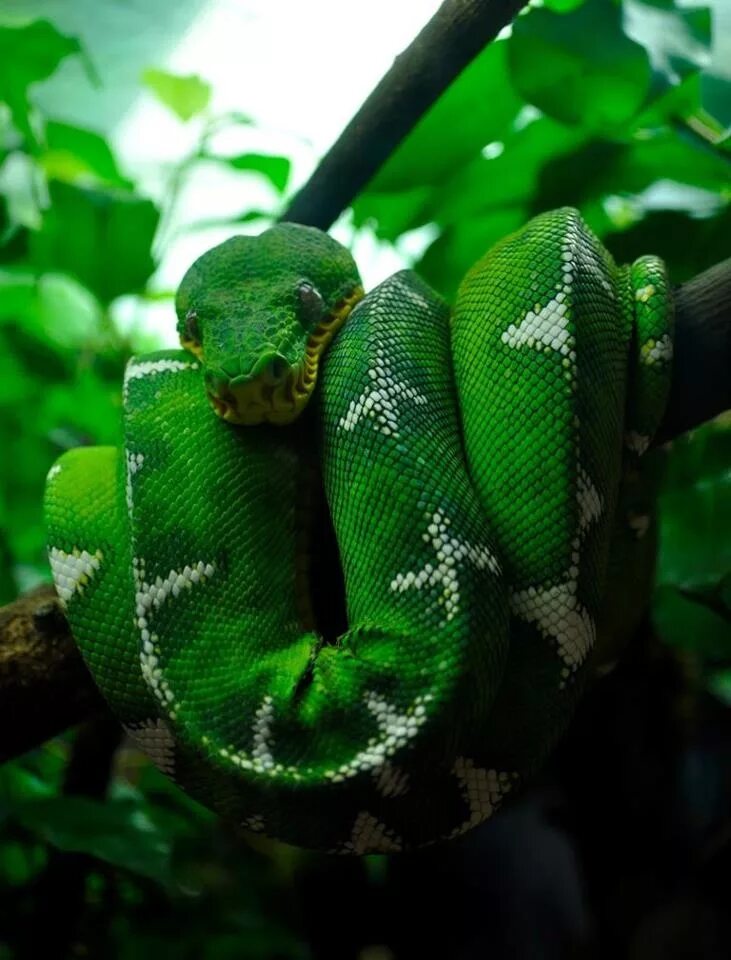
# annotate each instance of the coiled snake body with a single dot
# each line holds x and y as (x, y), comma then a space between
(478, 469)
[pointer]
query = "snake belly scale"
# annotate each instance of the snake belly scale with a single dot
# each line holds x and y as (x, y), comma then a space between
(474, 464)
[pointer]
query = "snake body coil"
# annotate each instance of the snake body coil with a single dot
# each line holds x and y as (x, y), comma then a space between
(481, 474)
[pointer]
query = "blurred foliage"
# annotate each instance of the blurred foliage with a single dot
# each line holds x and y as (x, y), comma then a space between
(614, 108)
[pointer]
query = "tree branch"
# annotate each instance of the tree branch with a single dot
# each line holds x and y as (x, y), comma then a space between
(454, 36)
(44, 684)
(701, 384)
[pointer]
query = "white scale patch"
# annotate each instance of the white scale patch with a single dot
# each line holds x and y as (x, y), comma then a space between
(555, 608)
(637, 442)
(53, 472)
(547, 327)
(72, 571)
(146, 368)
(407, 292)
(149, 597)
(155, 739)
(590, 502)
(560, 617)
(263, 739)
(381, 398)
(396, 728)
(639, 524)
(450, 551)
(255, 823)
(543, 327)
(643, 294)
(657, 351)
(483, 790)
(371, 836)
(134, 463)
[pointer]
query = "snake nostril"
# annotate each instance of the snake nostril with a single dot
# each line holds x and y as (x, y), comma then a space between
(272, 368)
(277, 369)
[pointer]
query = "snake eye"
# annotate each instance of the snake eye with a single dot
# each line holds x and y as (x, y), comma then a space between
(310, 302)
(191, 329)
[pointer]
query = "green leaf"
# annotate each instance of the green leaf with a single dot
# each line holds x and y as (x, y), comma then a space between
(720, 684)
(275, 169)
(101, 237)
(691, 607)
(696, 508)
(579, 68)
(28, 54)
(118, 832)
(185, 96)
(73, 154)
(477, 109)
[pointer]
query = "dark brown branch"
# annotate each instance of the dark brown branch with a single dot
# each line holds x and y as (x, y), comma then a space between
(44, 685)
(454, 36)
(701, 385)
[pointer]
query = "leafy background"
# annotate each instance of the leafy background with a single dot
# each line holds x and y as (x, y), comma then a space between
(619, 109)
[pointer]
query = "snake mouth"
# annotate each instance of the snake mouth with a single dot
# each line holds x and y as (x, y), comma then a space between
(279, 399)
(252, 401)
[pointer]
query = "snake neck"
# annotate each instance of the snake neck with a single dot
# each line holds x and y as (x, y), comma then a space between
(319, 579)
(319, 340)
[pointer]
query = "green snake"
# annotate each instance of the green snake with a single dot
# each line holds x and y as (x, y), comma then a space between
(480, 471)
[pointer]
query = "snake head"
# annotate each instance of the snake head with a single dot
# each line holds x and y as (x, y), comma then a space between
(259, 312)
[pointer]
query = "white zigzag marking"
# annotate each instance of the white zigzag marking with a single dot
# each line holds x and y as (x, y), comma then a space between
(483, 790)
(72, 571)
(148, 598)
(146, 368)
(449, 552)
(379, 401)
(396, 729)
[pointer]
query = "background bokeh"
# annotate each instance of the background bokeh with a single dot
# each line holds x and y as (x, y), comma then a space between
(133, 136)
